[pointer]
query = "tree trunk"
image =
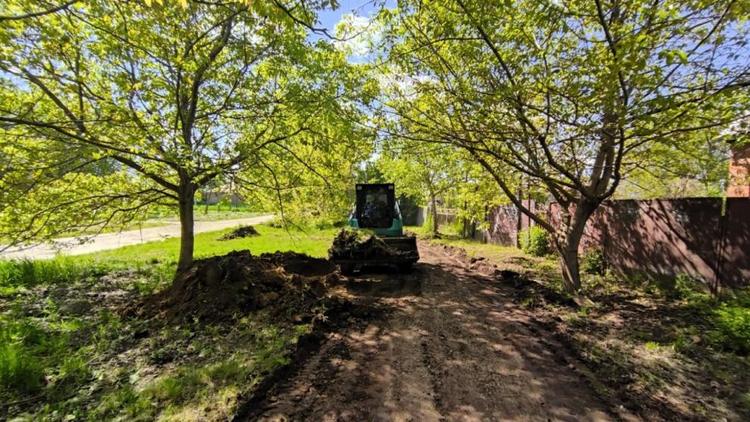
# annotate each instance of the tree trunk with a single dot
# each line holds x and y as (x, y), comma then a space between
(187, 234)
(569, 240)
(569, 265)
(435, 224)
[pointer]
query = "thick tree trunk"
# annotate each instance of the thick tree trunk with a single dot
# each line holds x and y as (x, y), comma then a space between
(569, 264)
(435, 224)
(187, 234)
(568, 241)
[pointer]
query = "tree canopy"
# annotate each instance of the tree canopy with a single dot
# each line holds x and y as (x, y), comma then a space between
(565, 93)
(108, 107)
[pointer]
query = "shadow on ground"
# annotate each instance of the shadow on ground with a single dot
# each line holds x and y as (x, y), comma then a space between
(450, 344)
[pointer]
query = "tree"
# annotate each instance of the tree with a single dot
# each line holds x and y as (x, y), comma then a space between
(311, 182)
(422, 171)
(565, 93)
(684, 166)
(169, 96)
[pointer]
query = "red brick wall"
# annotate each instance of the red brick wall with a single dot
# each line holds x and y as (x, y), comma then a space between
(739, 173)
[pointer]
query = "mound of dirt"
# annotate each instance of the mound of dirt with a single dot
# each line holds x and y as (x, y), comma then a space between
(287, 284)
(478, 263)
(240, 232)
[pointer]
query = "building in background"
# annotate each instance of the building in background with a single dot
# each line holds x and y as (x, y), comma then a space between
(739, 171)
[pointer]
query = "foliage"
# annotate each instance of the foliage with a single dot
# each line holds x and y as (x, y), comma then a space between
(680, 166)
(731, 325)
(109, 109)
(566, 97)
(733, 328)
(689, 288)
(437, 175)
(421, 171)
(592, 262)
(534, 241)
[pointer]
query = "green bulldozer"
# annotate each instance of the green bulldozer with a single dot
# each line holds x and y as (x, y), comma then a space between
(376, 213)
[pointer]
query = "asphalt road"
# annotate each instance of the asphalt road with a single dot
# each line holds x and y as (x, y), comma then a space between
(73, 246)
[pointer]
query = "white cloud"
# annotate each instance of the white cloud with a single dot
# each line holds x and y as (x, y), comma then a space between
(359, 35)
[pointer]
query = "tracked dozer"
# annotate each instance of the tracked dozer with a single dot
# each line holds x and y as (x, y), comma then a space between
(375, 215)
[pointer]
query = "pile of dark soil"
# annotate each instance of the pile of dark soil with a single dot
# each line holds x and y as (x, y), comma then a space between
(240, 232)
(286, 284)
(476, 263)
(350, 244)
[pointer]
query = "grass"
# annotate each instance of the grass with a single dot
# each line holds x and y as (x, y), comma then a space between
(67, 353)
(313, 243)
(473, 247)
(203, 390)
(154, 260)
(506, 257)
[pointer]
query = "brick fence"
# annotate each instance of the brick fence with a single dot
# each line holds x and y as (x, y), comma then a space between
(700, 237)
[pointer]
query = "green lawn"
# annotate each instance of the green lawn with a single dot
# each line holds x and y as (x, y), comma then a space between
(67, 352)
(156, 260)
(313, 243)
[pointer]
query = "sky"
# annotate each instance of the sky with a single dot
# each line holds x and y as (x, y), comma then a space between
(364, 8)
(359, 13)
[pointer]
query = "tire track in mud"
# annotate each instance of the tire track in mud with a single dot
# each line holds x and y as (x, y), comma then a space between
(446, 344)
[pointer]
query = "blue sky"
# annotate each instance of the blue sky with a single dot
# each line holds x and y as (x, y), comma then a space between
(329, 18)
(365, 8)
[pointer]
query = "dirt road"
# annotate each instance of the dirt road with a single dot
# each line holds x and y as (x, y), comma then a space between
(72, 246)
(450, 345)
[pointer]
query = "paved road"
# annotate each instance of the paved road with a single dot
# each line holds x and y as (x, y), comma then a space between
(72, 246)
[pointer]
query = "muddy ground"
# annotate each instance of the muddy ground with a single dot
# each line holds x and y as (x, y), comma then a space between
(449, 342)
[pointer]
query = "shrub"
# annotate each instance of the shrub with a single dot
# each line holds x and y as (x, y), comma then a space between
(592, 262)
(690, 288)
(732, 328)
(534, 241)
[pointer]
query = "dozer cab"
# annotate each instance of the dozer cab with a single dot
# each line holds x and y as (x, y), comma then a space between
(376, 211)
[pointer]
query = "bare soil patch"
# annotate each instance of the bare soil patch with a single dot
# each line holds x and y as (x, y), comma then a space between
(650, 354)
(444, 342)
